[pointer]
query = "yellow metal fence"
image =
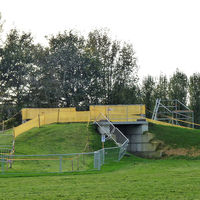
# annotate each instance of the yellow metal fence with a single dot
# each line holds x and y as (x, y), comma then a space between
(54, 117)
(39, 117)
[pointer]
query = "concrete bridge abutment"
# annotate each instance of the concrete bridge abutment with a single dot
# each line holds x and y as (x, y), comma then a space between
(140, 140)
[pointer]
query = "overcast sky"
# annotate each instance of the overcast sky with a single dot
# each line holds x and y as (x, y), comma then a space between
(165, 33)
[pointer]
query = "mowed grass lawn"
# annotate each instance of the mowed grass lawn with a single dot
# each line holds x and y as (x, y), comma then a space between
(131, 178)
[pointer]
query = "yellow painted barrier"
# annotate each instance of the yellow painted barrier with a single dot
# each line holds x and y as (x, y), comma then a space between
(119, 112)
(36, 122)
(39, 116)
(31, 113)
(165, 123)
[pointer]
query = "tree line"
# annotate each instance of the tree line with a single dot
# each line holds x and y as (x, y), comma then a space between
(78, 71)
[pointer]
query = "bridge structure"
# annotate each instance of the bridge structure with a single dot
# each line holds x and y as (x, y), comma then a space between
(128, 119)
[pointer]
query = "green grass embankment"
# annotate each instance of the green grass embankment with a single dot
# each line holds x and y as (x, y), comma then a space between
(39, 149)
(131, 178)
(177, 141)
(60, 138)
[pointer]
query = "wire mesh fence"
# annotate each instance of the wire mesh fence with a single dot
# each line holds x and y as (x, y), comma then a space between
(59, 163)
(6, 143)
(52, 163)
(107, 128)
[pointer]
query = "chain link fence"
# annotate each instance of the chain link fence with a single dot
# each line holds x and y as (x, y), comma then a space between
(61, 163)
(6, 143)
(108, 129)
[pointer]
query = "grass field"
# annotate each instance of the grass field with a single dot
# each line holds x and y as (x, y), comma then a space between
(131, 178)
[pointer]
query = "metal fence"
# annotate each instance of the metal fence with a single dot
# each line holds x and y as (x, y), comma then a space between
(108, 129)
(6, 143)
(59, 163)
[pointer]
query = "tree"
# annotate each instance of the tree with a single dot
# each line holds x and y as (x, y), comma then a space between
(147, 93)
(16, 65)
(116, 63)
(194, 96)
(161, 89)
(1, 28)
(68, 66)
(178, 88)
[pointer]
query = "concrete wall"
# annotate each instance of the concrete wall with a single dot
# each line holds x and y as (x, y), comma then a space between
(139, 139)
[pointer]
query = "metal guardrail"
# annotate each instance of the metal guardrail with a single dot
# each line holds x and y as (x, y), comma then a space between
(106, 127)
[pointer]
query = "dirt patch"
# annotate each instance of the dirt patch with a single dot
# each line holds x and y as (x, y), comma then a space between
(181, 151)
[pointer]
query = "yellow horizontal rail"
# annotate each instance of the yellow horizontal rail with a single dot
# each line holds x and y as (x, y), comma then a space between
(38, 117)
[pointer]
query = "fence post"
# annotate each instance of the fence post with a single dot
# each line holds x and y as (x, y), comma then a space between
(127, 113)
(38, 120)
(2, 165)
(58, 115)
(60, 165)
(99, 156)
(83, 158)
(103, 156)
(77, 163)
(72, 164)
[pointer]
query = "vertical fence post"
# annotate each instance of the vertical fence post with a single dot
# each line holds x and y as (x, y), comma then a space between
(2, 165)
(83, 158)
(72, 164)
(60, 165)
(38, 120)
(58, 115)
(88, 139)
(127, 113)
(77, 163)
(99, 156)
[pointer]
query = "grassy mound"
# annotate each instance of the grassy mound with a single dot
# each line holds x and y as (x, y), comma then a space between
(177, 141)
(58, 139)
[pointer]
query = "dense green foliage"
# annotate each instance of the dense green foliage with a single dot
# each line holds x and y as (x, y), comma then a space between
(78, 71)
(73, 71)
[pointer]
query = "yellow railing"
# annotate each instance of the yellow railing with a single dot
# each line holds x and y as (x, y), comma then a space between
(39, 117)
(54, 117)
(119, 112)
(165, 123)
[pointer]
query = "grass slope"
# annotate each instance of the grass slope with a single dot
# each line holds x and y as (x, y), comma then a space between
(131, 178)
(58, 139)
(52, 139)
(176, 137)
